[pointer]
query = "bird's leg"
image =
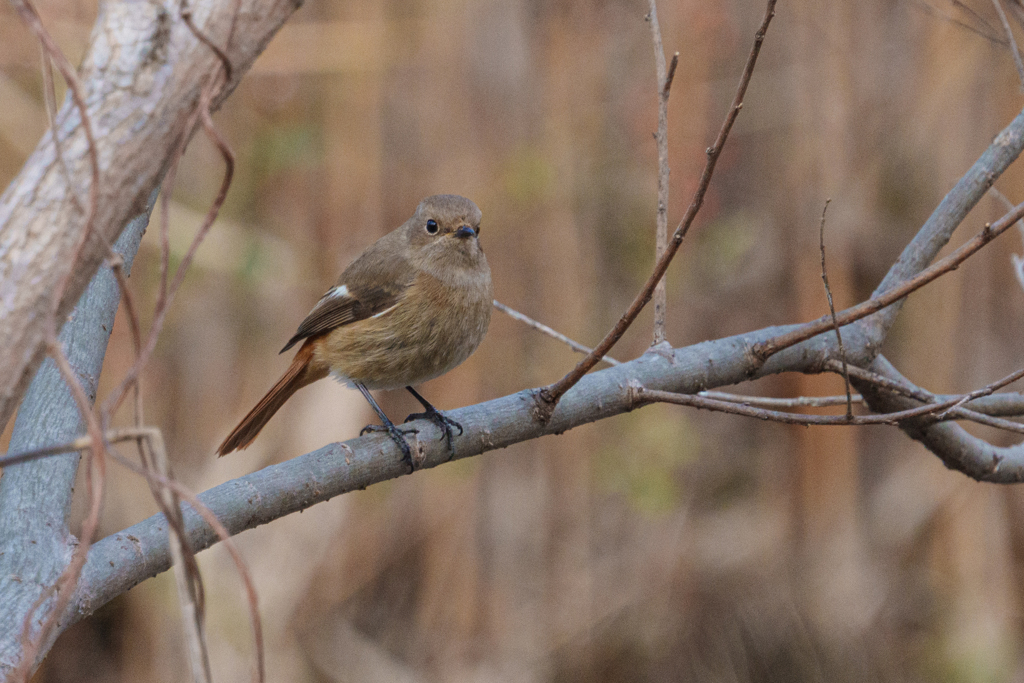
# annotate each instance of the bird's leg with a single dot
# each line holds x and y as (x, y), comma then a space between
(444, 422)
(396, 434)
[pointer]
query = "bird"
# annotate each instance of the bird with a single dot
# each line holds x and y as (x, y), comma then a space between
(414, 305)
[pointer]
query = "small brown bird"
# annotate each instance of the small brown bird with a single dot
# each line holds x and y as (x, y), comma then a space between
(412, 307)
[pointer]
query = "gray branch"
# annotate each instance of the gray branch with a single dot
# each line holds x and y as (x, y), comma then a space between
(947, 217)
(35, 497)
(122, 560)
(141, 80)
(954, 445)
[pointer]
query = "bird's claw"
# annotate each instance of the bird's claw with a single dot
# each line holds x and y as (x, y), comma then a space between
(398, 436)
(443, 422)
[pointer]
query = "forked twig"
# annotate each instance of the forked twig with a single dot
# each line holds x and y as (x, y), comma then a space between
(959, 412)
(832, 312)
(665, 77)
(548, 397)
(733, 408)
(986, 390)
(770, 347)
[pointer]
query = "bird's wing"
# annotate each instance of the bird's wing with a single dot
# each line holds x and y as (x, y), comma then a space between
(381, 285)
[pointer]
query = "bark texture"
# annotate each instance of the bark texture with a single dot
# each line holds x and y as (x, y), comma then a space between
(141, 80)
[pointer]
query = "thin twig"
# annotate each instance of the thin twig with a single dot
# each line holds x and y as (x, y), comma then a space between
(50, 101)
(770, 402)
(49, 93)
(665, 77)
(974, 415)
(163, 303)
(117, 267)
(1014, 52)
(671, 74)
(111, 436)
(766, 349)
(164, 296)
(880, 381)
(186, 571)
(702, 402)
(832, 311)
(554, 334)
(923, 396)
(548, 397)
(987, 389)
(186, 15)
(963, 6)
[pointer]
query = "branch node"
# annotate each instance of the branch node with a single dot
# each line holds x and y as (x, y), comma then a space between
(671, 74)
(543, 405)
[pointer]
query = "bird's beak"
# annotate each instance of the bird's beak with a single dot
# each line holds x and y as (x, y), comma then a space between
(465, 231)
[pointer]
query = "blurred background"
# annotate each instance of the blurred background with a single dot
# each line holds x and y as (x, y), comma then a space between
(663, 545)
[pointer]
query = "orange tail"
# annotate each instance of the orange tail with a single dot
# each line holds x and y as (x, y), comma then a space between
(299, 374)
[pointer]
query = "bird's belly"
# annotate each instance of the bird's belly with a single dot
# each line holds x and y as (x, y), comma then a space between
(407, 345)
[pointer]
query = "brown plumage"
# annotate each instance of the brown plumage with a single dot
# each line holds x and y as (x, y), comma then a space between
(299, 374)
(411, 307)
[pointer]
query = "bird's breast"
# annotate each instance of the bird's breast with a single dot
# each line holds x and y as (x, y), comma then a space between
(434, 327)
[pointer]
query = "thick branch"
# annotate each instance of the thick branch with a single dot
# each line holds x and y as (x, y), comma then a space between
(142, 77)
(957, 449)
(948, 215)
(122, 560)
(35, 498)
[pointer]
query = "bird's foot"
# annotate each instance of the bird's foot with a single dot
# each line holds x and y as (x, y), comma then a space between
(398, 436)
(444, 422)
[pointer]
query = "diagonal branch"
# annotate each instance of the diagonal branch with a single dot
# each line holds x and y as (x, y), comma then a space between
(140, 86)
(124, 559)
(889, 299)
(947, 216)
(35, 498)
(547, 398)
(957, 449)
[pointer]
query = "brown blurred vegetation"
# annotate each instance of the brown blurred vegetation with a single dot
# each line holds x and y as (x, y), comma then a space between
(663, 545)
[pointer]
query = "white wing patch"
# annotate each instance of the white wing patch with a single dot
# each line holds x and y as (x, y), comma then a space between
(337, 292)
(386, 310)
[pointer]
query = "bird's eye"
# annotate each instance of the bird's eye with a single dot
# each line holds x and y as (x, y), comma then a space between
(432, 226)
